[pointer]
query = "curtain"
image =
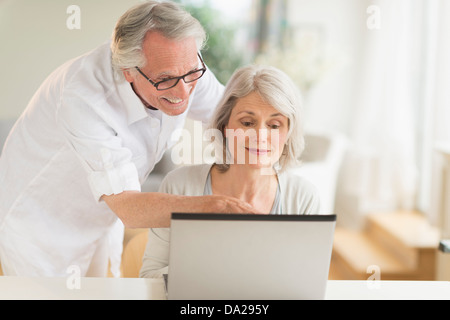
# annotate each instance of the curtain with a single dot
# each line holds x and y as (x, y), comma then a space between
(440, 63)
(435, 189)
(380, 172)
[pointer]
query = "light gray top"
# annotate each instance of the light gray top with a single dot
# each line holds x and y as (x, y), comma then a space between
(276, 208)
(295, 195)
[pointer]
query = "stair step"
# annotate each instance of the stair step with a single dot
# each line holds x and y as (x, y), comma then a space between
(408, 236)
(410, 228)
(357, 257)
(401, 244)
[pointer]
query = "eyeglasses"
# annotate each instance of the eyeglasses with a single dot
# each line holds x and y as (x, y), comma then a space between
(172, 82)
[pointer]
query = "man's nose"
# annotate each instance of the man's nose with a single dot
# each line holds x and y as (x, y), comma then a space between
(182, 89)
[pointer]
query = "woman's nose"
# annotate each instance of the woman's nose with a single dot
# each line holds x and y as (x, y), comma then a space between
(263, 133)
(260, 136)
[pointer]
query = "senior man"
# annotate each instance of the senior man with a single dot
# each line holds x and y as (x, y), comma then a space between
(76, 159)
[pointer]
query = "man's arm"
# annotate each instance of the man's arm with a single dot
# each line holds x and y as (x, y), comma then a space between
(153, 210)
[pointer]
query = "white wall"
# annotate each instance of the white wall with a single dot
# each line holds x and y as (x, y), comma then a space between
(35, 40)
(331, 102)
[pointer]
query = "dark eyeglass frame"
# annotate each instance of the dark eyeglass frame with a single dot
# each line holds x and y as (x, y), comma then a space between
(157, 84)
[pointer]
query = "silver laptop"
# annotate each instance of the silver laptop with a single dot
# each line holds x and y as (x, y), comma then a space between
(243, 256)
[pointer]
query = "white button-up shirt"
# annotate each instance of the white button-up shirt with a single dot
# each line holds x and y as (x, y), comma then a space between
(84, 134)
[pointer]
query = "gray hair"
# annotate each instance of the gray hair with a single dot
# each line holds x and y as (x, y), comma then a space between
(278, 90)
(172, 21)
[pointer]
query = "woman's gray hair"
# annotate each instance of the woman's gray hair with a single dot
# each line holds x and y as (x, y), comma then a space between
(275, 88)
(168, 18)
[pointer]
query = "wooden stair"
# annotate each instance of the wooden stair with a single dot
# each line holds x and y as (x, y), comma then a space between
(399, 245)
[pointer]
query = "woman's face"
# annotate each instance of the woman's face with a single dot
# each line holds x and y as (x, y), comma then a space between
(256, 132)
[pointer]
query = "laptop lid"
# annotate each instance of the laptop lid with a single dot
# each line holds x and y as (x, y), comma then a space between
(243, 256)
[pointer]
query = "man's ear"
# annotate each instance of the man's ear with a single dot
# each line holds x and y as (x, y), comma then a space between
(128, 75)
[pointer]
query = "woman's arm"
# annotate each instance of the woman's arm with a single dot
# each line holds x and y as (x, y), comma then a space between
(156, 257)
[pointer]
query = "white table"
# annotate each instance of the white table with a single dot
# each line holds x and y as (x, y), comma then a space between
(153, 289)
(30, 288)
(388, 290)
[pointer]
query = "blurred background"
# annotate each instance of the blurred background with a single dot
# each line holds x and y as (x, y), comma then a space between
(374, 75)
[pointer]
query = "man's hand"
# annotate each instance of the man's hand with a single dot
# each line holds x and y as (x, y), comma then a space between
(223, 204)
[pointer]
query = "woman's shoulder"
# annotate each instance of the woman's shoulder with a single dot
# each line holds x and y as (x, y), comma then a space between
(296, 182)
(186, 180)
(300, 195)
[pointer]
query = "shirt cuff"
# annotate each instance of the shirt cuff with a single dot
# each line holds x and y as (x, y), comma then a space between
(114, 181)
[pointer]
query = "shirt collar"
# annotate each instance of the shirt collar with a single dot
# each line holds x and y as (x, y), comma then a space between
(134, 107)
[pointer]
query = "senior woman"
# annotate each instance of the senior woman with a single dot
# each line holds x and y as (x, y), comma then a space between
(259, 117)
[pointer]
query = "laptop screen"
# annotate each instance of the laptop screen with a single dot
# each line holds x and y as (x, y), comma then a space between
(243, 256)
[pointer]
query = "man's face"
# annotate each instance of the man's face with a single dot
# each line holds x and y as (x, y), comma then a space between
(166, 59)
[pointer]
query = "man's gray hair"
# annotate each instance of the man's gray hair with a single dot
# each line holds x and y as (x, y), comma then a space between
(165, 17)
(279, 91)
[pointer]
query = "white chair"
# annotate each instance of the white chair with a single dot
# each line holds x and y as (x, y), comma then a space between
(133, 251)
(321, 162)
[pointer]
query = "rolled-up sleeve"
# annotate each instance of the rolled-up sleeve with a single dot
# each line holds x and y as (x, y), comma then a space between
(114, 179)
(91, 135)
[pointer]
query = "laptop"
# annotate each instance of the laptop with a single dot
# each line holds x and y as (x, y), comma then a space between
(249, 257)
